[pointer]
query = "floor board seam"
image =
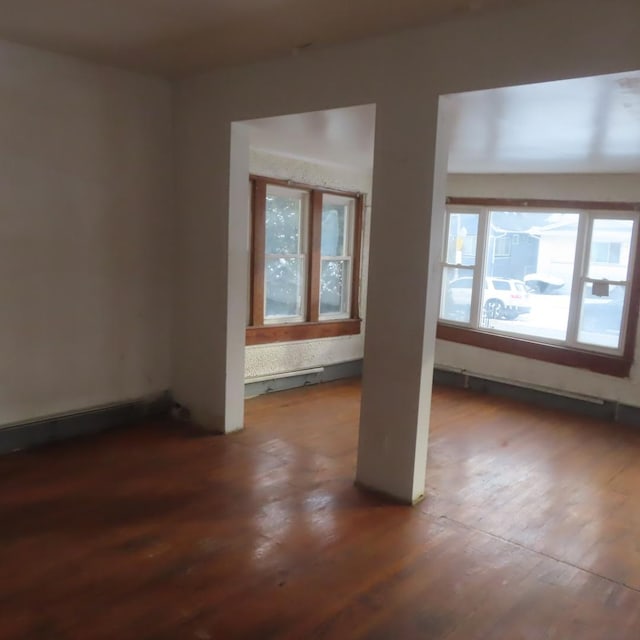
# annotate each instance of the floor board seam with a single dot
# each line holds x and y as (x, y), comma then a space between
(541, 553)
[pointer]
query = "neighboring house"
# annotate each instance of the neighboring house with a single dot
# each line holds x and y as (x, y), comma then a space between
(609, 250)
(513, 249)
(522, 244)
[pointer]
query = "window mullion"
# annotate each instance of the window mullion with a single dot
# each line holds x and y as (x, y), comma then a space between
(585, 228)
(631, 288)
(478, 271)
(315, 262)
(259, 199)
(356, 238)
(348, 262)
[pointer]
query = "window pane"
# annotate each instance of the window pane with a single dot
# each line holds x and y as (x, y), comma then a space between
(337, 218)
(333, 220)
(505, 301)
(284, 220)
(455, 304)
(601, 316)
(462, 238)
(610, 246)
(334, 287)
(284, 288)
(503, 246)
(529, 267)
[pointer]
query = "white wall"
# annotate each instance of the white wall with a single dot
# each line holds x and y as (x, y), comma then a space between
(267, 359)
(85, 253)
(622, 187)
(625, 188)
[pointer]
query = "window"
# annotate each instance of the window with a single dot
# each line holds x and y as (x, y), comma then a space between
(566, 291)
(305, 262)
(608, 252)
(336, 248)
(502, 247)
(285, 254)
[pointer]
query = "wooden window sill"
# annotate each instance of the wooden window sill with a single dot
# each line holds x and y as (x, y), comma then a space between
(302, 331)
(618, 366)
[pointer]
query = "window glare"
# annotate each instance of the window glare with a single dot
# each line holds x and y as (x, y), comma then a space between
(601, 317)
(610, 249)
(334, 287)
(283, 288)
(333, 228)
(456, 294)
(284, 221)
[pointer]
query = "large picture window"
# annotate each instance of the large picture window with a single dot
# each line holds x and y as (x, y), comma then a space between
(305, 260)
(554, 281)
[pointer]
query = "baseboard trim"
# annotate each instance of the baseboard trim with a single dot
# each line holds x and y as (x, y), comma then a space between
(596, 407)
(35, 433)
(27, 435)
(351, 369)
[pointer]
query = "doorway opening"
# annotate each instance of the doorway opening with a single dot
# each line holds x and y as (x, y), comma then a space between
(310, 179)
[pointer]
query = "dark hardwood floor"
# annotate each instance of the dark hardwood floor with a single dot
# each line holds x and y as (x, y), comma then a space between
(530, 530)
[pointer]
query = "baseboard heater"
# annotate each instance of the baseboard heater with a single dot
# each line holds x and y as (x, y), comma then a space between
(521, 385)
(539, 395)
(285, 374)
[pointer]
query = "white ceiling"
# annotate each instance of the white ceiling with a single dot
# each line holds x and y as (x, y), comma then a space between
(336, 136)
(175, 37)
(587, 125)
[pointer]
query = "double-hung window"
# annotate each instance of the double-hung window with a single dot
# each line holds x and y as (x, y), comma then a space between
(305, 262)
(285, 254)
(336, 255)
(550, 280)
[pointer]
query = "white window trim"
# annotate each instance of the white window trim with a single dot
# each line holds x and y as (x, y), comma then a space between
(580, 273)
(303, 250)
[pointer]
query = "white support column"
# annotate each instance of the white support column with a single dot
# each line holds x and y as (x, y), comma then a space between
(402, 305)
(237, 276)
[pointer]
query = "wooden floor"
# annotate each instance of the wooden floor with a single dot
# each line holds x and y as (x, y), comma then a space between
(530, 530)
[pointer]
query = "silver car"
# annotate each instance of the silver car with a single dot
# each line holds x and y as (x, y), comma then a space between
(502, 298)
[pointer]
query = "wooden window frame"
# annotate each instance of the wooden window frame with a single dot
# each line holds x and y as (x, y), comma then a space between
(314, 327)
(596, 361)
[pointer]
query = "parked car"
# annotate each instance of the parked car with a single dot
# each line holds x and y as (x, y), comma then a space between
(502, 298)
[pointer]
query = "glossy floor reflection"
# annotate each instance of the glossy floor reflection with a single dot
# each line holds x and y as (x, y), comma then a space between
(529, 530)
